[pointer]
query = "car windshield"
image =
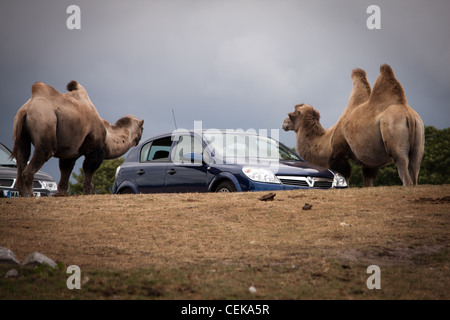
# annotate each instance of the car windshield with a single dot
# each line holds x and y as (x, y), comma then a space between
(241, 145)
(5, 160)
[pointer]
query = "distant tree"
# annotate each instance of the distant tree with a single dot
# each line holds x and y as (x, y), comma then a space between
(103, 178)
(435, 167)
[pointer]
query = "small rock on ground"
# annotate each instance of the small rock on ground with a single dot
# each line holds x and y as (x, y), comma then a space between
(37, 258)
(7, 256)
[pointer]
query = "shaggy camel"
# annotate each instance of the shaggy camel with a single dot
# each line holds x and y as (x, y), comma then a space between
(377, 128)
(67, 126)
(313, 141)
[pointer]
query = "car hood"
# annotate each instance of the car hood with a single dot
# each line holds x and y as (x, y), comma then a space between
(286, 167)
(300, 168)
(7, 172)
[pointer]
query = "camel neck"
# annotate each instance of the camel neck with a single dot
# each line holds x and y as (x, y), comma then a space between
(314, 145)
(117, 141)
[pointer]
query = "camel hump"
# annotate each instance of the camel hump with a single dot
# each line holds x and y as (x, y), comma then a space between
(386, 70)
(387, 88)
(39, 89)
(361, 89)
(358, 73)
(77, 91)
(72, 85)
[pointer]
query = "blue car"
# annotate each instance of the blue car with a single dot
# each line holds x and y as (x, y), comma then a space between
(218, 161)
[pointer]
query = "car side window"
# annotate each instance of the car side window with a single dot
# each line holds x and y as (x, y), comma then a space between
(186, 144)
(157, 150)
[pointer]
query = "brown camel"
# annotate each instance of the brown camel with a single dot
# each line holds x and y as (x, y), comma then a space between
(313, 141)
(67, 126)
(377, 128)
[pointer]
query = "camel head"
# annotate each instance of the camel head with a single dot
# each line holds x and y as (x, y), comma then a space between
(137, 128)
(302, 114)
(134, 126)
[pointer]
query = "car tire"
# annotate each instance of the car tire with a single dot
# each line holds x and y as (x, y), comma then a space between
(226, 186)
(126, 191)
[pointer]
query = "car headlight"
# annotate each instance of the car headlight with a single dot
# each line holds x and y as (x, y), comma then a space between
(117, 171)
(339, 181)
(260, 174)
(49, 185)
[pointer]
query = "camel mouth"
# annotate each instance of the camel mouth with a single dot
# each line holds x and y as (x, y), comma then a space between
(285, 127)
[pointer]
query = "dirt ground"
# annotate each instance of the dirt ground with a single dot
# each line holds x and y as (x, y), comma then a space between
(385, 226)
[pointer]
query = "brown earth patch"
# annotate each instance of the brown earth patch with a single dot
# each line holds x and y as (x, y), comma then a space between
(276, 244)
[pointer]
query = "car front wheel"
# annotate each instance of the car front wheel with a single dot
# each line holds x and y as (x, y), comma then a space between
(226, 186)
(126, 191)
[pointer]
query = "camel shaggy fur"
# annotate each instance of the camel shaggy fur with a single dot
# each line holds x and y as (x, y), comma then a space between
(377, 128)
(67, 126)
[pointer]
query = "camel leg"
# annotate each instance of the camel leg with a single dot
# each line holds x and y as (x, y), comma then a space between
(40, 156)
(91, 163)
(340, 163)
(65, 167)
(402, 164)
(23, 154)
(414, 167)
(369, 175)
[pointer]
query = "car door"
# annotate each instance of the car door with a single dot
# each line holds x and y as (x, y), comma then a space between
(153, 161)
(186, 172)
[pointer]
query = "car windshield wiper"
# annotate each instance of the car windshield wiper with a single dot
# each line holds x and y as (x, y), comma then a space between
(9, 165)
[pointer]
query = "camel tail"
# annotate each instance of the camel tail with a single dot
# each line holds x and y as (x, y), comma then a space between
(18, 128)
(417, 143)
(411, 125)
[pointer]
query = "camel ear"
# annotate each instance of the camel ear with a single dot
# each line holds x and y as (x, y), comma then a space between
(141, 123)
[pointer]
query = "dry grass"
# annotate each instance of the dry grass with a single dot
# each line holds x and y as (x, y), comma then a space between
(214, 246)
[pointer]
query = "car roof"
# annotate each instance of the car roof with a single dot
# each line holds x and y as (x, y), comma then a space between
(202, 131)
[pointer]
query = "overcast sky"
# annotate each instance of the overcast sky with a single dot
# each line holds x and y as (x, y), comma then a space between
(231, 64)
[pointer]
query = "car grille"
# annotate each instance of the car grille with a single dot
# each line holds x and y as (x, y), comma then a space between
(9, 183)
(6, 183)
(306, 182)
